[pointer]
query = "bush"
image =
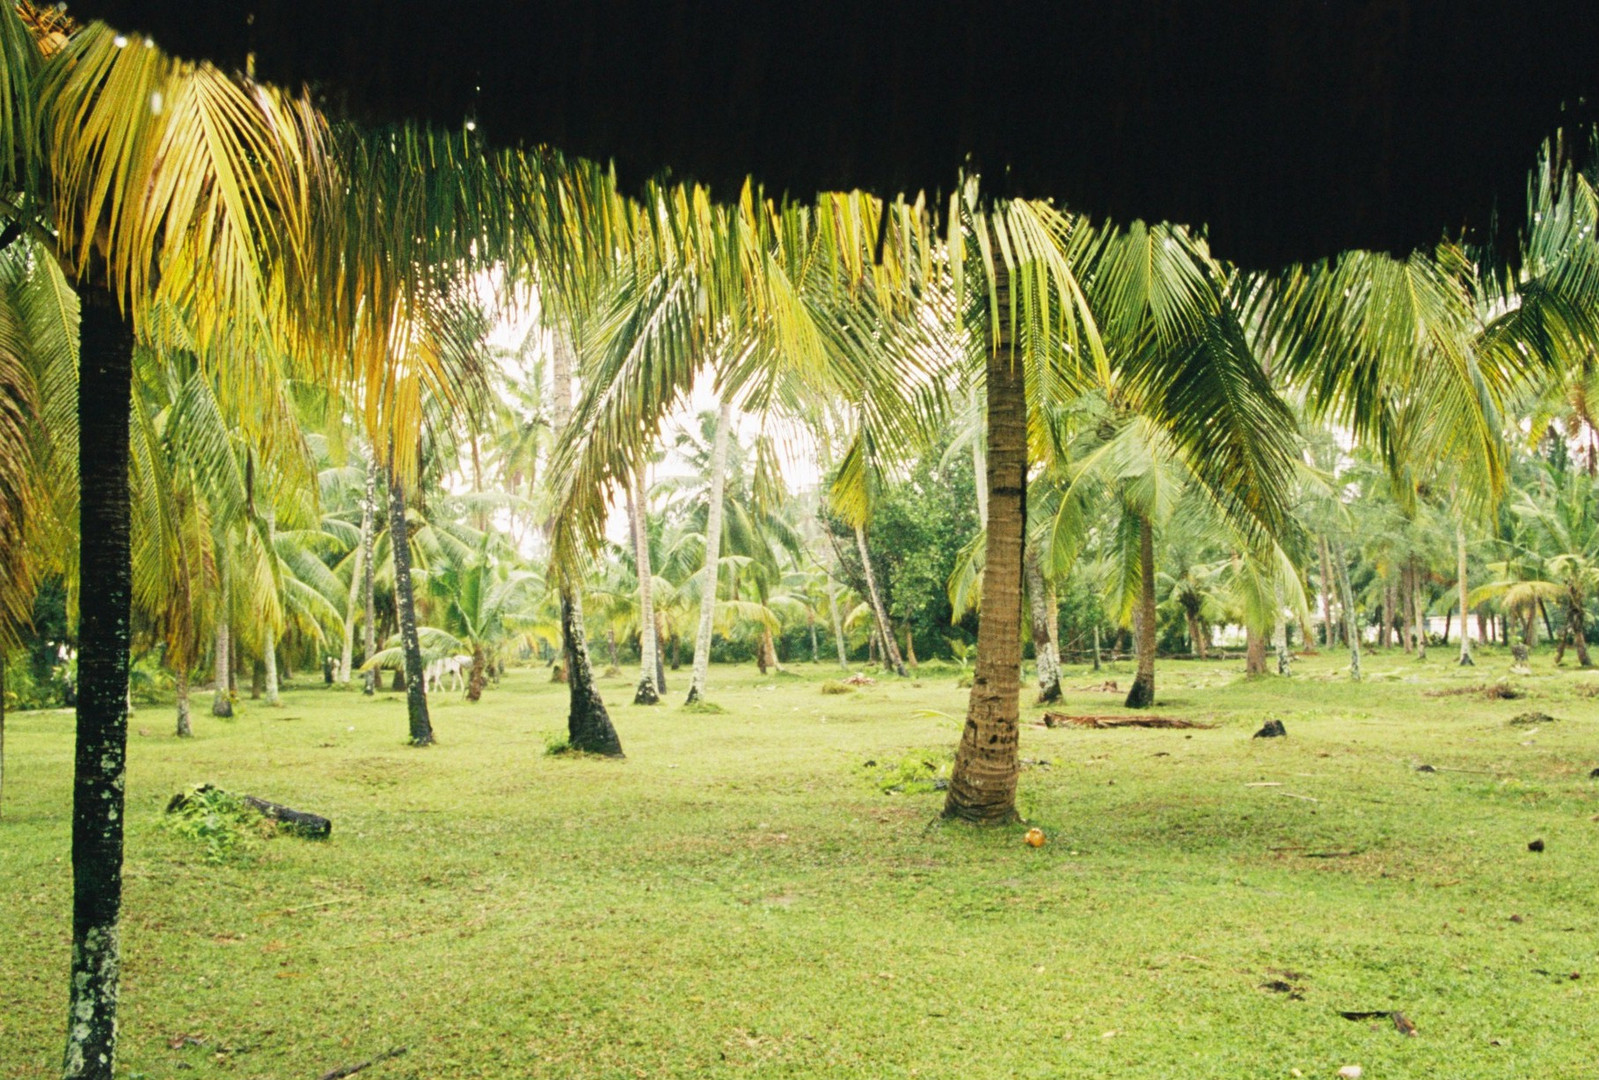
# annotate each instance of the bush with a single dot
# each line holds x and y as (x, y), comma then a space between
(915, 773)
(226, 829)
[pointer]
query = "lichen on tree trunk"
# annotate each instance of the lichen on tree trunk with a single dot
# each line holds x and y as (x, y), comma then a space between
(982, 785)
(104, 558)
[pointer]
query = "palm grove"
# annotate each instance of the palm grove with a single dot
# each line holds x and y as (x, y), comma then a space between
(253, 428)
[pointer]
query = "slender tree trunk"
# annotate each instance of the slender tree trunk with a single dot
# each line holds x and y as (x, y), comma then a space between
(1254, 652)
(1046, 659)
(648, 691)
(713, 549)
(369, 622)
(1142, 694)
(660, 650)
(1328, 586)
(352, 597)
(816, 651)
(221, 701)
(768, 651)
(181, 677)
(416, 696)
(479, 675)
(610, 643)
(106, 570)
(885, 635)
(588, 724)
(1279, 634)
(1576, 620)
(677, 662)
(910, 648)
(1549, 628)
(1351, 632)
(838, 624)
(1096, 646)
(1407, 628)
(982, 785)
(269, 659)
(257, 680)
(1419, 606)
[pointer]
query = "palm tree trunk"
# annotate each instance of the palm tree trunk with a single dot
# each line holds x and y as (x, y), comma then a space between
(660, 650)
(1460, 567)
(257, 680)
(982, 784)
(588, 724)
(1142, 694)
(1407, 596)
(1351, 632)
(1254, 652)
(269, 660)
(347, 650)
(1279, 634)
(416, 696)
(648, 692)
(476, 680)
(105, 567)
(816, 651)
(1420, 608)
(221, 701)
(1327, 587)
(838, 624)
(910, 648)
(1096, 646)
(1577, 621)
(181, 677)
(1046, 659)
(885, 635)
(713, 545)
(369, 623)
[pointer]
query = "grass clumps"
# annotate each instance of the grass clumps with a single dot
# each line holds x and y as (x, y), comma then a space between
(837, 686)
(704, 708)
(1533, 719)
(914, 774)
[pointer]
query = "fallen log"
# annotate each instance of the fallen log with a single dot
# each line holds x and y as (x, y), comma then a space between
(1055, 720)
(310, 826)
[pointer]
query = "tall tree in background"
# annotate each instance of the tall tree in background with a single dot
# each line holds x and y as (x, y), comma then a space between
(713, 547)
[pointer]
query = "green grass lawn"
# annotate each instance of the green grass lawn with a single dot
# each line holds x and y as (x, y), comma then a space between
(741, 895)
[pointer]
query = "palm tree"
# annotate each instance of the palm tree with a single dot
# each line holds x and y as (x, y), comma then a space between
(652, 680)
(713, 544)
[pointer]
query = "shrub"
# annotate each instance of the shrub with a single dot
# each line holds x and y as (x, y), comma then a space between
(226, 829)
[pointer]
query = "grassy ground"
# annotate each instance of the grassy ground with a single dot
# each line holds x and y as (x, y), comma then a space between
(741, 896)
